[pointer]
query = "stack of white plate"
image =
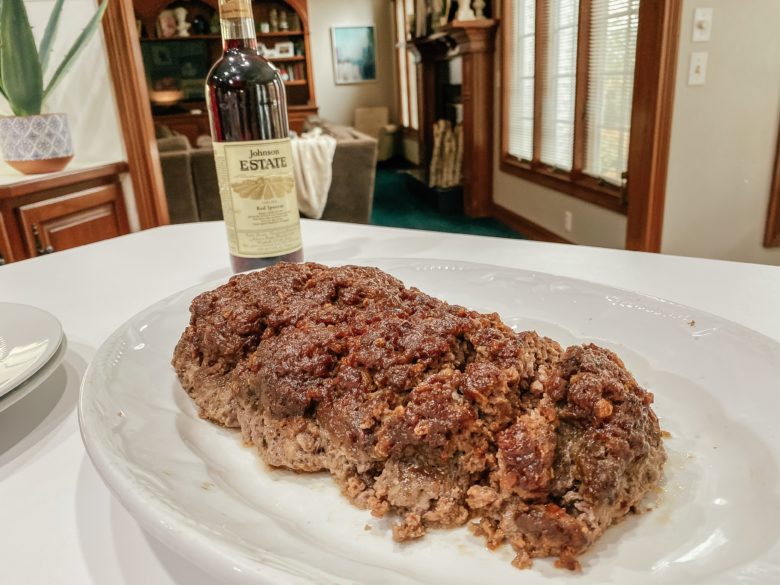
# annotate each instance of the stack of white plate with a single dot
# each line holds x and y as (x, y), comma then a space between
(32, 345)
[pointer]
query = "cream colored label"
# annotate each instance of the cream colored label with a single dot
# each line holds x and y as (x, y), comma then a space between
(230, 9)
(259, 202)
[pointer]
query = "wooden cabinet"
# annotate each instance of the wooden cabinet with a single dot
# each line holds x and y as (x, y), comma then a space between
(40, 215)
(164, 58)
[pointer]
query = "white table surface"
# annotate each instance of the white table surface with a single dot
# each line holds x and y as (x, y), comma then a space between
(60, 524)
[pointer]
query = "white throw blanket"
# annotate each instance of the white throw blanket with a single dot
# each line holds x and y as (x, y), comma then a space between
(313, 164)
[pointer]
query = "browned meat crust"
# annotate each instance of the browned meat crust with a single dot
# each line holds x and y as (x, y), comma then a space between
(423, 409)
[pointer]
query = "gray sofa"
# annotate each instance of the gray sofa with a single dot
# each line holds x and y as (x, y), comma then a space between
(190, 177)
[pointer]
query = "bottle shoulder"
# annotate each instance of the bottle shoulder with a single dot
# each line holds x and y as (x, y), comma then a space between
(242, 65)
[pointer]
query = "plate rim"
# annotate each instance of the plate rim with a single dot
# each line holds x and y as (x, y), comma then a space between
(46, 356)
(197, 547)
(19, 392)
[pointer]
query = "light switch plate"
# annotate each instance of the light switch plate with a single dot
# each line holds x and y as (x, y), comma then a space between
(702, 24)
(697, 74)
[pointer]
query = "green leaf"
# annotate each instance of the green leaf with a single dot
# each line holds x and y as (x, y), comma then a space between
(81, 42)
(47, 42)
(20, 70)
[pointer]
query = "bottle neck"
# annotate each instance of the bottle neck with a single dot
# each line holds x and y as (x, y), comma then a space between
(238, 25)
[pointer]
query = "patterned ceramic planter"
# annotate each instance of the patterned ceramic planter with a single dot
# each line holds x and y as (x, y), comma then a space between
(36, 144)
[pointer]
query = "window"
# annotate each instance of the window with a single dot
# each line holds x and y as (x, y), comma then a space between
(569, 70)
(406, 67)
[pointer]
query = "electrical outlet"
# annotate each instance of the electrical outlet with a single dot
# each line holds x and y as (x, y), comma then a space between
(568, 220)
(697, 74)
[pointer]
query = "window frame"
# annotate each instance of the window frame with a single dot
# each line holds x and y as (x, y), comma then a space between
(654, 76)
(772, 230)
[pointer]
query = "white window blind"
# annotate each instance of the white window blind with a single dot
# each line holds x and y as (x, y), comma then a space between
(610, 87)
(411, 68)
(521, 82)
(407, 69)
(611, 46)
(400, 43)
(559, 83)
(414, 116)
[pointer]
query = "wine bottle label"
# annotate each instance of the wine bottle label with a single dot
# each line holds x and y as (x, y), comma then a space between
(232, 9)
(259, 202)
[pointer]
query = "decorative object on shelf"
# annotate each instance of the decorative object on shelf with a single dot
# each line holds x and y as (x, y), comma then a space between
(166, 25)
(200, 26)
(182, 26)
(283, 24)
(285, 49)
(298, 47)
(464, 11)
(273, 20)
(295, 22)
(264, 27)
(166, 97)
(214, 24)
(31, 142)
(479, 8)
(354, 54)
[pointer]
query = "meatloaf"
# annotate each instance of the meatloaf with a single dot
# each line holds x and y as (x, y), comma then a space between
(426, 411)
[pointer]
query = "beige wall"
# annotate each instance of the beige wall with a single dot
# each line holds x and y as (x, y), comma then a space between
(338, 102)
(591, 225)
(724, 135)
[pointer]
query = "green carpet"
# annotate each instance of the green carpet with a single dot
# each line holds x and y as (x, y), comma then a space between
(395, 205)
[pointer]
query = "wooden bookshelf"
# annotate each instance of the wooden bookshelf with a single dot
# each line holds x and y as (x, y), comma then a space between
(301, 99)
(281, 34)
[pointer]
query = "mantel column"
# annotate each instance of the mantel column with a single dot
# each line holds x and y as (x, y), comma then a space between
(476, 45)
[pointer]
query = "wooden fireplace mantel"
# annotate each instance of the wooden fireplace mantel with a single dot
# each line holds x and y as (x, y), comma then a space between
(474, 41)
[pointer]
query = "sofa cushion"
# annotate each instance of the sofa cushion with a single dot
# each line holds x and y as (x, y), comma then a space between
(162, 131)
(173, 143)
(179, 188)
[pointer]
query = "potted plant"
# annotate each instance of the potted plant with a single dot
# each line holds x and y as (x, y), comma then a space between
(32, 142)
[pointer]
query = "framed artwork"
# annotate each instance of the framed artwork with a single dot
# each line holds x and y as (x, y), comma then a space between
(354, 54)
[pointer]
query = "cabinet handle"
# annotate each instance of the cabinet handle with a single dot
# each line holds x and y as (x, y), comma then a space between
(39, 249)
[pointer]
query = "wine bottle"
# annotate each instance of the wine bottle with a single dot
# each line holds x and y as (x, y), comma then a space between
(247, 108)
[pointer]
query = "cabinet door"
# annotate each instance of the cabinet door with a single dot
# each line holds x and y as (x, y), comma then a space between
(5, 244)
(73, 220)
